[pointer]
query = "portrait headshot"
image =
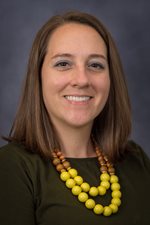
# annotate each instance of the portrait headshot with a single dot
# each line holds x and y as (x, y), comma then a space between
(74, 115)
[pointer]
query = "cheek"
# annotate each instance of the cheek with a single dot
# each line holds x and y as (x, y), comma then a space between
(103, 85)
(54, 80)
(52, 86)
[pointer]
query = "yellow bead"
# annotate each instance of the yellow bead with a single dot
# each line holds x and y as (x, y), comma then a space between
(107, 211)
(73, 173)
(78, 180)
(85, 187)
(114, 179)
(93, 191)
(76, 190)
(98, 209)
(90, 204)
(116, 201)
(101, 190)
(70, 183)
(104, 177)
(64, 176)
(83, 197)
(114, 208)
(116, 194)
(105, 184)
(115, 186)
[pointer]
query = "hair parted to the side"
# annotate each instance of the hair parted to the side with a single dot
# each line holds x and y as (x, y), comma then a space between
(32, 125)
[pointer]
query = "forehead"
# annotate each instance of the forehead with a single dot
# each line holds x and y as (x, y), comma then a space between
(75, 36)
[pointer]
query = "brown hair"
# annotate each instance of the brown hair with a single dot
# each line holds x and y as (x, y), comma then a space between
(32, 125)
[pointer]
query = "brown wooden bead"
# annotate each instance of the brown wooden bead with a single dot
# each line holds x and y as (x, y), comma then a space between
(105, 158)
(98, 153)
(110, 165)
(56, 161)
(59, 167)
(62, 157)
(103, 169)
(100, 158)
(111, 170)
(63, 160)
(102, 162)
(66, 164)
(59, 154)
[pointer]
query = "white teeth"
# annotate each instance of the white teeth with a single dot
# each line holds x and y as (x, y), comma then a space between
(77, 98)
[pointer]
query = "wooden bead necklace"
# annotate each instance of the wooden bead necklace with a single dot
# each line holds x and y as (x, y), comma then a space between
(82, 189)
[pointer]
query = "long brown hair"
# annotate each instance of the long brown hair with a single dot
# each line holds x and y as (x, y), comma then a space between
(32, 125)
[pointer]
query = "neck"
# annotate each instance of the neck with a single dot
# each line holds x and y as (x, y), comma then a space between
(76, 142)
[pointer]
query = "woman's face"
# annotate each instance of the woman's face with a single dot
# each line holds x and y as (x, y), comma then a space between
(75, 75)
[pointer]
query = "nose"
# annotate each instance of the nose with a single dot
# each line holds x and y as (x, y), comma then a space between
(80, 77)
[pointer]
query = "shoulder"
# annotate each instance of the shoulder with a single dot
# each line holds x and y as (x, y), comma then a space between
(13, 152)
(136, 157)
(13, 149)
(15, 157)
(135, 150)
(21, 169)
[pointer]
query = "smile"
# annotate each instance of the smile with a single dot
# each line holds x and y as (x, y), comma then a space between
(77, 98)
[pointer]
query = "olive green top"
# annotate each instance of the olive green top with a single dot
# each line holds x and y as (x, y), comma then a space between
(31, 192)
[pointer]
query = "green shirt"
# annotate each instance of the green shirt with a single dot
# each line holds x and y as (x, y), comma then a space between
(31, 192)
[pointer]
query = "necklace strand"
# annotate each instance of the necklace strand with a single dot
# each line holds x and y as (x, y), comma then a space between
(83, 190)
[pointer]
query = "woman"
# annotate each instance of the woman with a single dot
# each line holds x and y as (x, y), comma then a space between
(69, 160)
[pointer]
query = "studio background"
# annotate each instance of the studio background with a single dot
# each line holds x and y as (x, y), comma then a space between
(128, 21)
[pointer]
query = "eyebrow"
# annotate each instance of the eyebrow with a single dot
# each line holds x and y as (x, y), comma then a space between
(94, 55)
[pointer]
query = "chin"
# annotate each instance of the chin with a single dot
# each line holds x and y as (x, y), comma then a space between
(80, 123)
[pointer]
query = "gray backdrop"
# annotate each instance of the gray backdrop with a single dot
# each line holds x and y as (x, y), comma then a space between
(128, 21)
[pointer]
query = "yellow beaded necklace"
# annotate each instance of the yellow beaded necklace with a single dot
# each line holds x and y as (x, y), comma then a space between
(82, 189)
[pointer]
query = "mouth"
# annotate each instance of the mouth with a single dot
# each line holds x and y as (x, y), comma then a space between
(74, 98)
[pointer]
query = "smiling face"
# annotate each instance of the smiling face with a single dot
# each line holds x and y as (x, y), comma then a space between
(75, 76)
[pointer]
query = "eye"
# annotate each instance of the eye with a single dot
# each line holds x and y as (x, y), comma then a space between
(96, 66)
(62, 65)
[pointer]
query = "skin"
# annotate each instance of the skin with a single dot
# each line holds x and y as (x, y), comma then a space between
(75, 84)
